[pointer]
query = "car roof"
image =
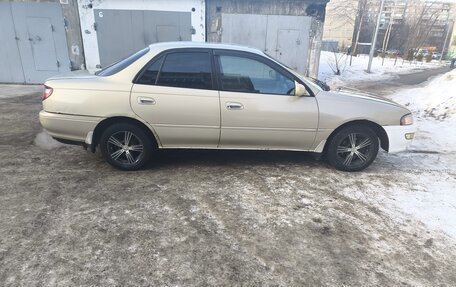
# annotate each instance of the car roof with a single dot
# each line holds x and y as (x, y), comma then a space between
(163, 46)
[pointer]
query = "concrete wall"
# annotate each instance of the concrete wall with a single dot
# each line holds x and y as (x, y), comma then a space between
(72, 28)
(74, 37)
(315, 48)
(87, 19)
(316, 9)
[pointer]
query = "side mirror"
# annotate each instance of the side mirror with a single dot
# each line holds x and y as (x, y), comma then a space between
(300, 90)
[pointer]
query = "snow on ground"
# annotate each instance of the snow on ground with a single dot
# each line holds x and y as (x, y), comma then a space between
(357, 70)
(431, 202)
(434, 110)
(423, 185)
(427, 190)
(45, 141)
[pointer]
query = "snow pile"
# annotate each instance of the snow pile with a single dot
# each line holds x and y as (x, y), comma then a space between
(434, 109)
(357, 71)
(437, 100)
(45, 141)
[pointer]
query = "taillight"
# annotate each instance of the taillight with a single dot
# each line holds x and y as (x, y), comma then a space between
(47, 92)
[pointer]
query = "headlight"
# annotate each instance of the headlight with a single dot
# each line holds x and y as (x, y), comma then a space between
(407, 120)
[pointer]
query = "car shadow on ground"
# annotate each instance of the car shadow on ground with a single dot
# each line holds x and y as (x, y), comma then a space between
(177, 157)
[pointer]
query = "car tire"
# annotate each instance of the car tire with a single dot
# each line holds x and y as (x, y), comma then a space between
(353, 148)
(126, 146)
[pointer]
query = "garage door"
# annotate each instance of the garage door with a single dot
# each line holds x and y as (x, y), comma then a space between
(123, 32)
(34, 45)
(285, 38)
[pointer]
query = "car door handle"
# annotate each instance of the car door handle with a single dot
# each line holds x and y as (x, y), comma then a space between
(145, 101)
(234, 106)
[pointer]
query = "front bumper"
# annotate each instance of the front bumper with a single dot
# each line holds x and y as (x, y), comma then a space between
(399, 137)
(69, 127)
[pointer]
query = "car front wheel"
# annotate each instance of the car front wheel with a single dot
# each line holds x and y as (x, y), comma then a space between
(353, 148)
(125, 146)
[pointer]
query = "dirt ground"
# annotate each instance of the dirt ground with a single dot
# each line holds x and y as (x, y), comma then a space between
(191, 218)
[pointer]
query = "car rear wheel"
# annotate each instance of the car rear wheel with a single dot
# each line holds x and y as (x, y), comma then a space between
(353, 148)
(126, 146)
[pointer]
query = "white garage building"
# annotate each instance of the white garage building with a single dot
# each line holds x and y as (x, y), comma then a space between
(113, 29)
(43, 38)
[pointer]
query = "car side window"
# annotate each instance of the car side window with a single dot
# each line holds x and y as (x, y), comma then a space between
(149, 76)
(242, 74)
(191, 70)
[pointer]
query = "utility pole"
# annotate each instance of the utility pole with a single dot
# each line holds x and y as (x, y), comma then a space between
(374, 39)
(450, 27)
(386, 38)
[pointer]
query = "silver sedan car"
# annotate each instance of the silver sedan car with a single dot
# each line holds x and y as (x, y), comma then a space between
(214, 96)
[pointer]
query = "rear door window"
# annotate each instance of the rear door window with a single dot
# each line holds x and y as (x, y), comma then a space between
(191, 70)
(122, 64)
(149, 76)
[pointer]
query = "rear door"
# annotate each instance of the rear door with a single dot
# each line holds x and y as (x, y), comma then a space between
(258, 106)
(175, 93)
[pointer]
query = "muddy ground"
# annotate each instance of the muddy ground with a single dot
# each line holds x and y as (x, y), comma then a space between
(208, 218)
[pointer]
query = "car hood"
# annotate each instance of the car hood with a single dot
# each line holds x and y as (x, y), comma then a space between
(80, 74)
(354, 93)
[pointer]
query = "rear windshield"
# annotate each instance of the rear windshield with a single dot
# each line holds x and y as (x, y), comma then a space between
(122, 64)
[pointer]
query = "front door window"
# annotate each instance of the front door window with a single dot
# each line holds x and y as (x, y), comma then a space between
(241, 74)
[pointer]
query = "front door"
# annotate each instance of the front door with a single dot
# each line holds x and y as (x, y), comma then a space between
(175, 94)
(258, 106)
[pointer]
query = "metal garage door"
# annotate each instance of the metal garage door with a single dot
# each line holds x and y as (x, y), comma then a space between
(123, 32)
(34, 43)
(10, 67)
(285, 38)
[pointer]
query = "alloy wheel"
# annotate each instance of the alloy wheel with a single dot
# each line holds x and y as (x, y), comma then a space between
(125, 147)
(355, 149)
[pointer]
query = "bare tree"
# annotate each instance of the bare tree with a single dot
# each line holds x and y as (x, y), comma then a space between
(341, 16)
(421, 18)
(351, 13)
(344, 10)
(339, 63)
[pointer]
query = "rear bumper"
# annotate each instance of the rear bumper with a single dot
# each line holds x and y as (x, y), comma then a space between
(399, 137)
(68, 127)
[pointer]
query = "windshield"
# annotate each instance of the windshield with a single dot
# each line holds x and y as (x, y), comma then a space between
(315, 83)
(122, 64)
